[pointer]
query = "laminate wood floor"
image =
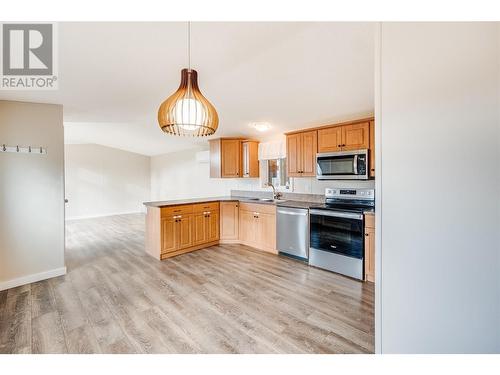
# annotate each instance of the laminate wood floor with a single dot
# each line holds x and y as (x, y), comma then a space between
(224, 299)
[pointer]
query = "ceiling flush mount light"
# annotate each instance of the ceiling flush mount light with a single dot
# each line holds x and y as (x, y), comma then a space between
(261, 126)
(187, 111)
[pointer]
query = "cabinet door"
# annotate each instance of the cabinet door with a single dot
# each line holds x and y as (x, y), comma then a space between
(168, 240)
(250, 162)
(229, 219)
(355, 136)
(231, 158)
(370, 254)
(184, 232)
(371, 161)
(293, 155)
(266, 232)
(309, 149)
(212, 227)
(330, 139)
(247, 227)
(199, 229)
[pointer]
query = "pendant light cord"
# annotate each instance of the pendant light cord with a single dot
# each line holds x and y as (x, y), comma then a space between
(189, 45)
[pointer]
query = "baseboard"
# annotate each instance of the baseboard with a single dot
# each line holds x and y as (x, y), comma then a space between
(32, 278)
(102, 215)
(229, 241)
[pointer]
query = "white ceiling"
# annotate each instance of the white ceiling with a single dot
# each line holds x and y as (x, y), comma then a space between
(113, 76)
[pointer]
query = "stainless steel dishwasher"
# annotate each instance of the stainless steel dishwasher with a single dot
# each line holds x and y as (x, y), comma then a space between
(293, 231)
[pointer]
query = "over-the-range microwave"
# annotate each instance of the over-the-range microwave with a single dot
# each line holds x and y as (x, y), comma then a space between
(342, 165)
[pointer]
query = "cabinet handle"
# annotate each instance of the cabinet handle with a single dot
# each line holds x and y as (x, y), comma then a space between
(366, 234)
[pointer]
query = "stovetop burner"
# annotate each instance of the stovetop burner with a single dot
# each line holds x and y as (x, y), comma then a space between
(348, 200)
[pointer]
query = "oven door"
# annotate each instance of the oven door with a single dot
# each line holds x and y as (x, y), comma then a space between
(337, 232)
(350, 165)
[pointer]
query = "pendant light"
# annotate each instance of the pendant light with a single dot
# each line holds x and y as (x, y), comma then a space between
(187, 111)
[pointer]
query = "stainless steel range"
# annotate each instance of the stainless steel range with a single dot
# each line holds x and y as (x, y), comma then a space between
(337, 231)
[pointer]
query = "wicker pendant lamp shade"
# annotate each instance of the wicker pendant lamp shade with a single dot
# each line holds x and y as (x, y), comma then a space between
(187, 111)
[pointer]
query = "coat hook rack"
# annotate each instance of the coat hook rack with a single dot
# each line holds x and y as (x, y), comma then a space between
(36, 150)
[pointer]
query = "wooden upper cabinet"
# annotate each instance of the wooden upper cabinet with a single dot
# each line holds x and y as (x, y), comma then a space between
(309, 150)
(371, 157)
(356, 136)
(293, 155)
(250, 158)
(233, 158)
(230, 158)
(301, 151)
(330, 139)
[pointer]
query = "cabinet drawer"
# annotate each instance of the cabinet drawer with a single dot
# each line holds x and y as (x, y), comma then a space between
(260, 208)
(177, 210)
(209, 206)
(369, 220)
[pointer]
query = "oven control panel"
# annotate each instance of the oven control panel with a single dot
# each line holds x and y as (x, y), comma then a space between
(350, 193)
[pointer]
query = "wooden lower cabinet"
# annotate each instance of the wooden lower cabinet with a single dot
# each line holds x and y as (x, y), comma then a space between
(258, 226)
(370, 247)
(247, 227)
(184, 232)
(168, 241)
(188, 227)
(199, 230)
(229, 221)
(212, 227)
(174, 230)
(176, 234)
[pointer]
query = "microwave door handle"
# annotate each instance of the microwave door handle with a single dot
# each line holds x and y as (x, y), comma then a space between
(355, 164)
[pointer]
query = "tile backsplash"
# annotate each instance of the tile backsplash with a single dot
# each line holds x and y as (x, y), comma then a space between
(310, 185)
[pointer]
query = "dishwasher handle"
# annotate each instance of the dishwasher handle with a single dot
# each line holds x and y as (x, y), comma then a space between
(293, 213)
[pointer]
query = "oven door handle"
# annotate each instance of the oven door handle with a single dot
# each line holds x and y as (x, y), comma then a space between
(346, 215)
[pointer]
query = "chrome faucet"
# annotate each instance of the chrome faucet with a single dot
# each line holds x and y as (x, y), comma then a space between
(276, 195)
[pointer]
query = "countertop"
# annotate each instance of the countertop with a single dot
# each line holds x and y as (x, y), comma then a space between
(282, 203)
(278, 203)
(189, 201)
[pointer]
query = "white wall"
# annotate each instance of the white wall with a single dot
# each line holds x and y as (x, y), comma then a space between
(178, 175)
(440, 179)
(105, 181)
(31, 194)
